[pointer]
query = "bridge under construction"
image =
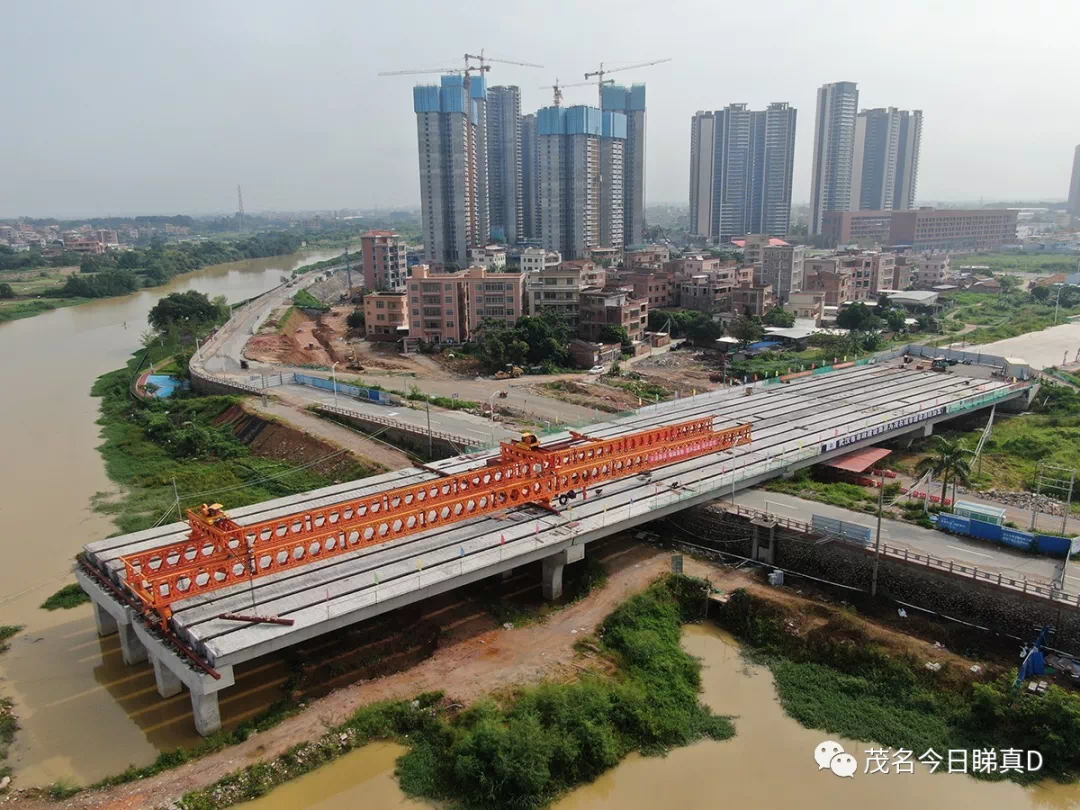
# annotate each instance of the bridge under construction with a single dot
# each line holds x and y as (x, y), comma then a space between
(228, 586)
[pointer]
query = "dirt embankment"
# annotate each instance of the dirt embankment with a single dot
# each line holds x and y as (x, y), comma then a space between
(295, 338)
(270, 439)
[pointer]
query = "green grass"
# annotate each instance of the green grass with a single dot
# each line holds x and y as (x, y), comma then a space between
(835, 493)
(838, 680)
(1017, 263)
(13, 310)
(69, 596)
(647, 391)
(6, 632)
(528, 748)
(9, 724)
(146, 446)
(305, 300)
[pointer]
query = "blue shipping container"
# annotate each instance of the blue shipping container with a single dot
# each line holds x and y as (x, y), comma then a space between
(1014, 538)
(1052, 545)
(984, 530)
(953, 523)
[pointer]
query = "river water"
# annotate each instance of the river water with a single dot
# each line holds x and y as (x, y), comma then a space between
(768, 764)
(83, 713)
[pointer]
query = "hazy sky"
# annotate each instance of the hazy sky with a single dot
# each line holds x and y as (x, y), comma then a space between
(127, 107)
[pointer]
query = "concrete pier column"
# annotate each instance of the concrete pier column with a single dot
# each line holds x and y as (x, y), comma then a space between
(206, 711)
(553, 568)
(106, 624)
(131, 647)
(167, 683)
(509, 572)
(927, 430)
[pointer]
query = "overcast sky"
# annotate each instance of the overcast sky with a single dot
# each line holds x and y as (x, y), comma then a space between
(126, 108)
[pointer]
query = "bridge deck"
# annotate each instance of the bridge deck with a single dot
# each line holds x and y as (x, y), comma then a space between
(794, 425)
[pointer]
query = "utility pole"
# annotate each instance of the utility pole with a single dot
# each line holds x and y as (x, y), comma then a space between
(877, 541)
(1035, 500)
(348, 271)
(240, 207)
(430, 451)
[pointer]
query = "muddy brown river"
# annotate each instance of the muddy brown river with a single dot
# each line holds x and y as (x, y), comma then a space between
(83, 714)
(769, 764)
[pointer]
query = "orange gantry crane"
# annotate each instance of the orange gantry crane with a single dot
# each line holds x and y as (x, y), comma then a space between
(219, 552)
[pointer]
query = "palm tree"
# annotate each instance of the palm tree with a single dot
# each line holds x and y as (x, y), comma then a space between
(948, 461)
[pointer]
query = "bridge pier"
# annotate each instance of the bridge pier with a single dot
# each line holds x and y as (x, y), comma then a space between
(553, 570)
(106, 624)
(167, 683)
(207, 712)
(131, 647)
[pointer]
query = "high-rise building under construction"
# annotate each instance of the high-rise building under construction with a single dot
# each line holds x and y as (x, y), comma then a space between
(630, 101)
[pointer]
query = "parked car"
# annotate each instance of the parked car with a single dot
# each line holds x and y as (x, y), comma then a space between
(596, 370)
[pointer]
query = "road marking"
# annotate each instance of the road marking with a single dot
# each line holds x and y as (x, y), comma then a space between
(1075, 579)
(965, 551)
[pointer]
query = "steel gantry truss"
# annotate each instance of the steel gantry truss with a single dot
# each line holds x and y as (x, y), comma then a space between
(220, 553)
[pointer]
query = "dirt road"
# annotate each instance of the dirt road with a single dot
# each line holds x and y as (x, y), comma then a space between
(465, 671)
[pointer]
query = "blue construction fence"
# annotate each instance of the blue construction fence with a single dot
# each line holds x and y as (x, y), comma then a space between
(368, 394)
(841, 528)
(1048, 544)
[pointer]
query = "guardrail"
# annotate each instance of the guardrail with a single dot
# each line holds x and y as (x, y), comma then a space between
(929, 561)
(396, 425)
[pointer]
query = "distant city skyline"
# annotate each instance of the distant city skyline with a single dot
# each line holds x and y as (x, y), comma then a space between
(284, 104)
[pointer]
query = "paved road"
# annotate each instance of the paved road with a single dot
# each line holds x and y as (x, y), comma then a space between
(925, 541)
(1048, 347)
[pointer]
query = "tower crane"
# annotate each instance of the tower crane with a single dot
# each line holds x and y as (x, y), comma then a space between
(558, 88)
(600, 73)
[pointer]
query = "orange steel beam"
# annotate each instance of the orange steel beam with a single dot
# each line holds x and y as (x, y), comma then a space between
(222, 554)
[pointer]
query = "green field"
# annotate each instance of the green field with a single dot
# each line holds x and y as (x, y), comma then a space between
(1018, 263)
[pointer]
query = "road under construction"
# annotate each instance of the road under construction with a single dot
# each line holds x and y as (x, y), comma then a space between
(201, 596)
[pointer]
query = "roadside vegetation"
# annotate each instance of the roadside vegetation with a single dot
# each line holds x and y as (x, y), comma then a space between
(834, 673)
(526, 748)
(9, 724)
(1016, 262)
(1008, 314)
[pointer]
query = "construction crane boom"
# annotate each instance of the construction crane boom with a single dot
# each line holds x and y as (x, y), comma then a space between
(558, 88)
(220, 553)
(423, 70)
(600, 73)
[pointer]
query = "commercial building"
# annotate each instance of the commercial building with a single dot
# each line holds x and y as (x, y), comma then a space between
(782, 268)
(505, 164)
(615, 306)
(1074, 185)
(886, 162)
(536, 260)
(384, 259)
(864, 228)
(927, 229)
(451, 128)
(581, 178)
(385, 315)
(741, 168)
(630, 102)
(530, 178)
(834, 150)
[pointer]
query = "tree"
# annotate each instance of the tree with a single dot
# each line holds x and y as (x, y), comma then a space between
(895, 319)
(704, 331)
(948, 461)
(6, 290)
(1041, 292)
(188, 310)
(857, 318)
(745, 330)
(1007, 283)
(613, 333)
(356, 319)
(778, 316)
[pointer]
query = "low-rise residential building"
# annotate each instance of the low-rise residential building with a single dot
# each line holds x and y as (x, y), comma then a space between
(557, 288)
(752, 300)
(438, 310)
(86, 247)
(782, 267)
(608, 256)
(586, 354)
(592, 273)
(645, 257)
(658, 286)
(615, 306)
(933, 269)
(493, 296)
(808, 305)
(827, 276)
(385, 262)
(535, 260)
(385, 315)
(689, 266)
(491, 257)
(903, 271)
(707, 292)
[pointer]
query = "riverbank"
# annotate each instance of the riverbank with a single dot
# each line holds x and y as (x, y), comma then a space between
(842, 674)
(496, 662)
